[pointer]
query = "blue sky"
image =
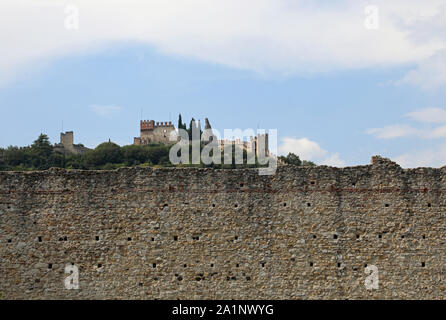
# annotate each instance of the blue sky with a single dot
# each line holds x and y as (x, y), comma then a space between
(332, 108)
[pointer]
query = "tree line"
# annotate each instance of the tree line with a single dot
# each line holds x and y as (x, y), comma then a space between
(41, 155)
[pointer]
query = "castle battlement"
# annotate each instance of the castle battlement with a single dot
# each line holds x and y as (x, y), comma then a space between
(154, 132)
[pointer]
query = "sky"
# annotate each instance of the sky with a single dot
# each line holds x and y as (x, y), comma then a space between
(341, 81)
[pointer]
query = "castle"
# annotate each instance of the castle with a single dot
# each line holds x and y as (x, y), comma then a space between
(151, 132)
(67, 146)
(251, 146)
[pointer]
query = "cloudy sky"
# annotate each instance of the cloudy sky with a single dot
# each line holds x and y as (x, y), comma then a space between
(340, 80)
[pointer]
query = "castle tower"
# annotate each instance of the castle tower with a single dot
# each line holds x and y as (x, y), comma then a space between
(67, 139)
(154, 132)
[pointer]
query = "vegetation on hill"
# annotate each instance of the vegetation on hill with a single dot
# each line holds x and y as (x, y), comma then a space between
(40, 155)
(293, 159)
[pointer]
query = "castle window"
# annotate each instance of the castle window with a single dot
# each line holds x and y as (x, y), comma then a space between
(153, 239)
(236, 238)
(311, 264)
(99, 265)
(50, 266)
(212, 265)
(339, 264)
(140, 284)
(429, 205)
(308, 204)
(180, 278)
(423, 264)
(237, 265)
(196, 238)
(380, 236)
(424, 237)
(241, 185)
(248, 278)
(335, 236)
(236, 205)
(129, 239)
(39, 239)
(314, 236)
(358, 236)
(9, 240)
(386, 205)
(263, 264)
(175, 238)
(284, 204)
(154, 265)
(213, 205)
(97, 238)
(185, 265)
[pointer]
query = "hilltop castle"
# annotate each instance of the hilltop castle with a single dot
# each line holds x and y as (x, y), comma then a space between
(159, 132)
(151, 132)
(67, 146)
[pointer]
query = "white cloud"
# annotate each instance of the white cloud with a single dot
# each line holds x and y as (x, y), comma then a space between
(304, 148)
(426, 115)
(105, 111)
(263, 35)
(434, 115)
(309, 150)
(423, 158)
(334, 160)
(393, 131)
(429, 75)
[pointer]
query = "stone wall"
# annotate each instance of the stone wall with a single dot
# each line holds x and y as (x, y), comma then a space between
(303, 233)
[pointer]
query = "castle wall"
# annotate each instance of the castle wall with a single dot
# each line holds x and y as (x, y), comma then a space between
(158, 134)
(303, 233)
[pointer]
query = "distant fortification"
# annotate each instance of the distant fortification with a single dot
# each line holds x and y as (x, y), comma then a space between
(151, 132)
(304, 233)
(67, 146)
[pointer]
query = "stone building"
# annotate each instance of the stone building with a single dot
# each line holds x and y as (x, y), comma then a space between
(151, 132)
(252, 145)
(67, 146)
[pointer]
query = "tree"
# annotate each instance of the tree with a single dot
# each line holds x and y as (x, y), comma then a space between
(107, 152)
(292, 159)
(133, 154)
(308, 163)
(181, 125)
(14, 156)
(42, 146)
(40, 152)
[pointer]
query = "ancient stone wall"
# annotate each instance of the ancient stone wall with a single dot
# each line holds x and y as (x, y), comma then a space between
(303, 233)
